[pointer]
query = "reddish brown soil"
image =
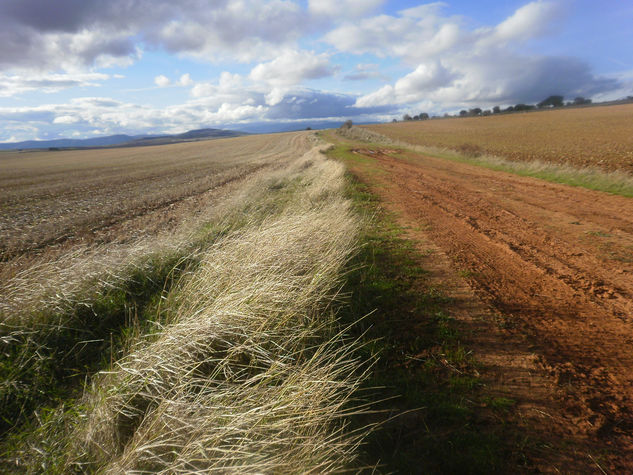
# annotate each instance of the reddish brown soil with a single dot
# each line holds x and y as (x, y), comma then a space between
(555, 264)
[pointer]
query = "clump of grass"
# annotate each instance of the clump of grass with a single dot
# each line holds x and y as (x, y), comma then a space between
(63, 319)
(248, 371)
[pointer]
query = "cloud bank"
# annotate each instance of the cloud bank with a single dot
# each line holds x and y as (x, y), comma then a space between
(454, 66)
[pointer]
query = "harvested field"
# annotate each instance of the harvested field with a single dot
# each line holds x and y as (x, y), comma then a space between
(48, 198)
(586, 137)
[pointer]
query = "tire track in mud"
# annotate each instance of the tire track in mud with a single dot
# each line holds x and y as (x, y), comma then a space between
(535, 252)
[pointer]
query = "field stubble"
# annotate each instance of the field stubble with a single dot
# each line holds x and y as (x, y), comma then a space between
(51, 197)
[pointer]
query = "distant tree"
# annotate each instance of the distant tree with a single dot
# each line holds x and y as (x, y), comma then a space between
(424, 116)
(463, 113)
(446, 115)
(523, 107)
(496, 109)
(394, 120)
(308, 128)
(475, 111)
(509, 109)
(487, 112)
(551, 101)
(347, 124)
(578, 101)
(416, 117)
(406, 117)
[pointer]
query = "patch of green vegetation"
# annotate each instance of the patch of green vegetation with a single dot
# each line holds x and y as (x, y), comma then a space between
(47, 365)
(44, 367)
(616, 183)
(465, 273)
(425, 377)
(499, 403)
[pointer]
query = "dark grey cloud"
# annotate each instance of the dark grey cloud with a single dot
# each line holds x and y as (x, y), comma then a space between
(530, 80)
(50, 34)
(71, 16)
(318, 105)
(42, 15)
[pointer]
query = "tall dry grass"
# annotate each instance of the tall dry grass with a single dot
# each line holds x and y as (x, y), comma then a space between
(249, 372)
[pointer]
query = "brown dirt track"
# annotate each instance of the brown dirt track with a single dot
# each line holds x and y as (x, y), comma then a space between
(556, 262)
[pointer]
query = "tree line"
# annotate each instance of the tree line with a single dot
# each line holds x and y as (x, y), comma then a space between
(548, 103)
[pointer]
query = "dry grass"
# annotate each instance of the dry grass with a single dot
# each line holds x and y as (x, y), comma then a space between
(600, 137)
(249, 372)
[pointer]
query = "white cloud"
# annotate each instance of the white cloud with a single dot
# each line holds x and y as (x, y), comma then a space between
(342, 8)
(425, 79)
(162, 81)
(363, 71)
(410, 35)
(65, 119)
(70, 35)
(289, 69)
(185, 80)
(529, 21)
(455, 66)
(292, 67)
(15, 84)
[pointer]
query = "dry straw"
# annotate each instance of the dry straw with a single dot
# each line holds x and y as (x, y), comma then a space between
(250, 373)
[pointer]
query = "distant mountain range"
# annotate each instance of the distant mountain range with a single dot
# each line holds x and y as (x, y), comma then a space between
(123, 140)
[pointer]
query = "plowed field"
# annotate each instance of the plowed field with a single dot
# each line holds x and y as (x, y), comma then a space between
(555, 261)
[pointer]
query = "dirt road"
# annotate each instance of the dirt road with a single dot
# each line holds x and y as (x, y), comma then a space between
(555, 261)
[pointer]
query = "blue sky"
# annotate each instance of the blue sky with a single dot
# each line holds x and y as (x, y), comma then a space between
(81, 68)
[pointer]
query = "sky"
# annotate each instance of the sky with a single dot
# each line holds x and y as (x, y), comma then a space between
(85, 68)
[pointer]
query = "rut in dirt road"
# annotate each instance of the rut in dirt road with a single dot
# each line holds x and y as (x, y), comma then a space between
(556, 259)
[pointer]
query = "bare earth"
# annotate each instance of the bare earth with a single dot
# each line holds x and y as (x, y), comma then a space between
(555, 265)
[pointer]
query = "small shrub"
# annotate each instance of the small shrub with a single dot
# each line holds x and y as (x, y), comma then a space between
(470, 150)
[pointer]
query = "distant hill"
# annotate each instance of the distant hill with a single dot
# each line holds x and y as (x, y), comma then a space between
(192, 135)
(122, 140)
